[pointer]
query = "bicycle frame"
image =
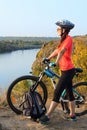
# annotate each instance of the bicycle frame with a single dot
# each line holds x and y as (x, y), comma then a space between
(52, 75)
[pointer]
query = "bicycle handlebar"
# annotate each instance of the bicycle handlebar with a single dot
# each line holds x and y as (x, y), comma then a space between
(48, 63)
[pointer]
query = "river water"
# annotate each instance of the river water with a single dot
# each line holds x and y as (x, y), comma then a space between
(15, 64)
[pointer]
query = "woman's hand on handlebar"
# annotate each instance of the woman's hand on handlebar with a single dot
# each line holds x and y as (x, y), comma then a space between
(46, 60)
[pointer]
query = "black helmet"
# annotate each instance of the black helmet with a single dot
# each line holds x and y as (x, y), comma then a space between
(65, 24)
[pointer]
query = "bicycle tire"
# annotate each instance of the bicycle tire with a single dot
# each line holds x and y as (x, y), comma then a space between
(81, 88)
(15, 91)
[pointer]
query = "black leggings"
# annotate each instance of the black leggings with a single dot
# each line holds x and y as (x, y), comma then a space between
(65, 81)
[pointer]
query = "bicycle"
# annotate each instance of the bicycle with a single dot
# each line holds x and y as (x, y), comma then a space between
(32, 83)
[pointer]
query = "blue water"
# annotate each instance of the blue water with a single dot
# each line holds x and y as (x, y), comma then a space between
(15, 64)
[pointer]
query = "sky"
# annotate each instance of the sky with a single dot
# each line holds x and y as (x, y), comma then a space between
(38, 17)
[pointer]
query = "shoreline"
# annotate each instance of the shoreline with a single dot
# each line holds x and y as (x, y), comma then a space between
(19, 49)
(8, 44)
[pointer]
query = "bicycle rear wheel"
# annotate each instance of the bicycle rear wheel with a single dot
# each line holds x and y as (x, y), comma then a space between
(80, 94)
(19, 87)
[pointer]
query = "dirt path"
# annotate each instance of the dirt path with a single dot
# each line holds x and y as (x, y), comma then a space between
(10, 121)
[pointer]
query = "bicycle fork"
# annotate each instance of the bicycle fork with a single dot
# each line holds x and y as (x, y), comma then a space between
(34, 86)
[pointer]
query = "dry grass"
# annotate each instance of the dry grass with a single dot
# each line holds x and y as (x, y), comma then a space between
(3, 100)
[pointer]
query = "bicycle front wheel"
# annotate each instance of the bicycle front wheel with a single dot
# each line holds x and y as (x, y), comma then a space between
(20, 86)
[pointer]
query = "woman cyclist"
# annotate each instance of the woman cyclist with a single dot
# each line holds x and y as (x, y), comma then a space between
(63, 60)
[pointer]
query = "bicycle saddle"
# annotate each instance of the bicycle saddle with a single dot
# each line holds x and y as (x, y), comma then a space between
(78, 70)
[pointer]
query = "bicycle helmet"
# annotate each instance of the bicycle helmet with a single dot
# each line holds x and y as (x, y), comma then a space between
(65, 24)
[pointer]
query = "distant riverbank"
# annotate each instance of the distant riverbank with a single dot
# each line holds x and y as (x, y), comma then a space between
(8, 44)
